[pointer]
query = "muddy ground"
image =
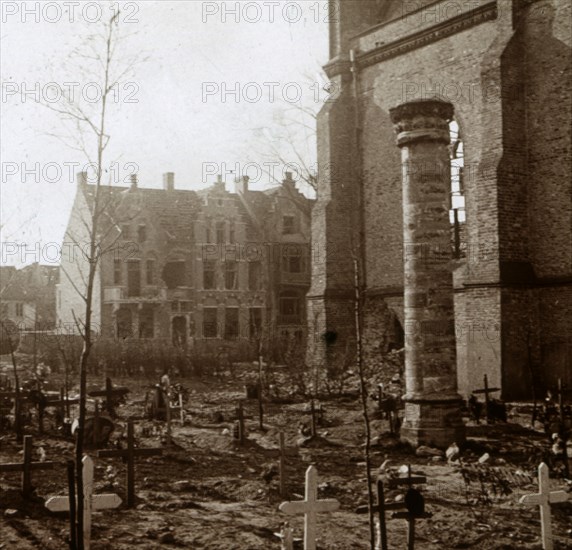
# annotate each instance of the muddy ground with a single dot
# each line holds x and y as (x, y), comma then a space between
(208, 492)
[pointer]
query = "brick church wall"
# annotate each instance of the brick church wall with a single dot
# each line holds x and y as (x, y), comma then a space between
(505, 67)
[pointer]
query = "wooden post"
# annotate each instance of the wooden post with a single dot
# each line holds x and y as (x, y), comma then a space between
(240, 416)
(282, 467)
(287, 537)
(71, 491)
(26, 474)
(67, 394)
(62, 404)
(181, 410)
(381, 512)
(411, 533)
(96, 438)
(168, 416)
(129, 454)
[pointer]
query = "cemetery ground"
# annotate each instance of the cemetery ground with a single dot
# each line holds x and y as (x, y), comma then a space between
(208, 491)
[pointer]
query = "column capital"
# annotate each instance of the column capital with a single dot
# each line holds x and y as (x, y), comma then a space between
(422, 120)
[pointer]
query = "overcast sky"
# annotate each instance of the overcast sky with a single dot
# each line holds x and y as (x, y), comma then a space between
(171, 115)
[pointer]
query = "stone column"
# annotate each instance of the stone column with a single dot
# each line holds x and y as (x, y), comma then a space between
(432, 404)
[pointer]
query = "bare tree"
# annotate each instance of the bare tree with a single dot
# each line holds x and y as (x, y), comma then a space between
(101, 62)
(291, 141)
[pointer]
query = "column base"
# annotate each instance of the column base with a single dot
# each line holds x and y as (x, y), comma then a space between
(433, 423)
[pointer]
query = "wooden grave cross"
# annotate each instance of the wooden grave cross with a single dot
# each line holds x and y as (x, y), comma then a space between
(90, 501)
(27, 466)
(109, 393)
(413, 501)
(310, 507)
(129, 455)
(544, 498)
(486, 391)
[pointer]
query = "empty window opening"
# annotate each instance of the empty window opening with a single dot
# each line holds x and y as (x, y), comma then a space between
(210, 326)
(231, 323)
(288, 225)
(134, 278)
(209, 274)
(174, 274)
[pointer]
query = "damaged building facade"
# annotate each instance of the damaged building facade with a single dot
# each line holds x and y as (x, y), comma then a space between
(504, 70)
(204, 270)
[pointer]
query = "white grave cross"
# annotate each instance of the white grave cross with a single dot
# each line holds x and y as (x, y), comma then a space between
(544, 498)
(90, 501)
(310, 507)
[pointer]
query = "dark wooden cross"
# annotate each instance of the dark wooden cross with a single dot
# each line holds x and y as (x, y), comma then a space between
(414, 502)
(129, 455)
(486, 391)
(26, 467)
(111, 394)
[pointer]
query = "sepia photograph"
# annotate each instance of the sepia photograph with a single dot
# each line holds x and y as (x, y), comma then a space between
(286, 274)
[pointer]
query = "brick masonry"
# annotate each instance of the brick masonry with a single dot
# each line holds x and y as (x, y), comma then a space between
(506, 68)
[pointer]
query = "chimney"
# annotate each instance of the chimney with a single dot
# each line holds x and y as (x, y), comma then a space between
(81, 178)
(133, 181)
(219, 180)
(169, 181)
(242, 185)
(289, 180)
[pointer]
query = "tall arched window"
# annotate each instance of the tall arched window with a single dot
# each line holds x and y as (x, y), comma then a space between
(457, 212)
